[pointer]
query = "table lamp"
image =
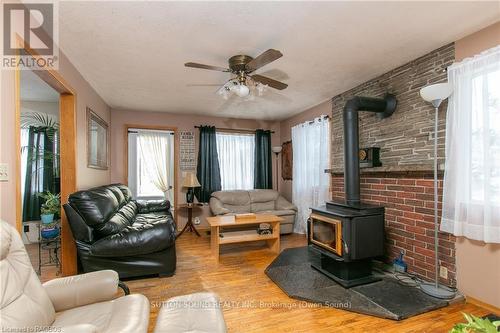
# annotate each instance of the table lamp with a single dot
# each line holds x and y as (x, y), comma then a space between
(190, 181)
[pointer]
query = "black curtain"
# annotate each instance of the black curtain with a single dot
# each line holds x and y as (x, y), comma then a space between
(39, 170)
(263, 172)
(208, 170)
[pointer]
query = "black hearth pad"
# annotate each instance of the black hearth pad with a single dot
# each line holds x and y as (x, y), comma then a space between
(293, 273)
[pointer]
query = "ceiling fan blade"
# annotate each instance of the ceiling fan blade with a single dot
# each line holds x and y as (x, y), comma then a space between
(213, 68)
(263, 59)
(270, 82)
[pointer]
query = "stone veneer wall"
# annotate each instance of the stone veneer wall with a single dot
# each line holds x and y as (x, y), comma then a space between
(405, 138)
(404, 183)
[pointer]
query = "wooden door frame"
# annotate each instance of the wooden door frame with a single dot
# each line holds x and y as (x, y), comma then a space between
(67, 130)
(176, 155)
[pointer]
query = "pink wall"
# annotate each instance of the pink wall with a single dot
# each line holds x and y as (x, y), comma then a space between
(85, 96)
(120, 118)
(286, 135)
(478, 264)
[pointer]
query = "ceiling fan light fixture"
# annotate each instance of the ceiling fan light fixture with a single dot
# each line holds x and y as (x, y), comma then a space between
(261, 88)
(224, 92)
(244, 83)
(242, 90)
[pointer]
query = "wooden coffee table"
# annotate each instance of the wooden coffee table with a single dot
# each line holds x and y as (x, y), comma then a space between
(230, 237)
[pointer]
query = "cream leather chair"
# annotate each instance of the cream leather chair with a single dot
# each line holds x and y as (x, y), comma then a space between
(77, 304)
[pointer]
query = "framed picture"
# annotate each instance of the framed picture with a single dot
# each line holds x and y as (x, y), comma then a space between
(287, 161)
(97, 141)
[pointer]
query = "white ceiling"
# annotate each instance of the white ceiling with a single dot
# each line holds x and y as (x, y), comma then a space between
(133, 53)
(34, 89)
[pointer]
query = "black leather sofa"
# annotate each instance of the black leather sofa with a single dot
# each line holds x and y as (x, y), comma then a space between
(112, 231)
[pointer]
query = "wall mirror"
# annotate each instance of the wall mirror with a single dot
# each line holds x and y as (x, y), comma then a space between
(97, 141)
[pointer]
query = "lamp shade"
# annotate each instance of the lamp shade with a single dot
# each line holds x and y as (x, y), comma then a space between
(190, 180)
(276, 149)
(436, 93)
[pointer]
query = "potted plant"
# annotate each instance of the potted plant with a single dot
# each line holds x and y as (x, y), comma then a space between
(50, 230)
(476, 325)
(51, 206)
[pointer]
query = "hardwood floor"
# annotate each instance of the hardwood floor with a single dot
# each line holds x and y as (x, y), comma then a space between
(253, 303)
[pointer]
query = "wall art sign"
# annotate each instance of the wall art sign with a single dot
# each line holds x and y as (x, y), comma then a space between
(187, 150)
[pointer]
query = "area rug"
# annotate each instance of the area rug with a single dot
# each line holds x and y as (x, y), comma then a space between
(387, 298)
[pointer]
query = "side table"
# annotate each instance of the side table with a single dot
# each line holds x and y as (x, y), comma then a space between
(189, 224)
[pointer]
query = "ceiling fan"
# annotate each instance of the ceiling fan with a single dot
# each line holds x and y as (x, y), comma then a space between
(243, 83)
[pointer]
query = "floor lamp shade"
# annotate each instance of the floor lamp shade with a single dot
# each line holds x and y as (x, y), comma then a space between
(436, 93)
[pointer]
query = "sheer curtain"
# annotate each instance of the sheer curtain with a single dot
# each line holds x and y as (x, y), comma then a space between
(236, 159)
(311, 156)
(156, 149)
(471, 195)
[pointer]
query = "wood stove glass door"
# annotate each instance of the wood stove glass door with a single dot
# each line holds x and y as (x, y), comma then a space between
(326, 232)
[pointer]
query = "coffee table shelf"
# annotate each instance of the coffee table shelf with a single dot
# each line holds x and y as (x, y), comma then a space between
(230, 237)
(243, 236)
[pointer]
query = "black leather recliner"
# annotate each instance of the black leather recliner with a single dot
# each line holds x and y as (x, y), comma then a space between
(112, 231)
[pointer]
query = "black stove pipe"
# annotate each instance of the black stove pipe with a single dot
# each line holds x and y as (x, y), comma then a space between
(385, 108)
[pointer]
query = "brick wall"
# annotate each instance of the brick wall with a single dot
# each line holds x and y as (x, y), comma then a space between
(409, 219)
(404, 183)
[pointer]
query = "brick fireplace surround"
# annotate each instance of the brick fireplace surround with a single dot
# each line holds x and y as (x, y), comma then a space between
(404, 183)
(409, 218)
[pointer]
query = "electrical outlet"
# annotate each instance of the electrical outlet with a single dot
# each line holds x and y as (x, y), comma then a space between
(443, 272)
(197, 220)
(4, 172)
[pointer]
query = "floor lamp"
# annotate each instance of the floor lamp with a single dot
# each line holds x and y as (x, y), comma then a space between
(435, 94)
(277, 150)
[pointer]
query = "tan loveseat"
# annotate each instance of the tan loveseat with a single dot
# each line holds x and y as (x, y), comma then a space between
(254, 201)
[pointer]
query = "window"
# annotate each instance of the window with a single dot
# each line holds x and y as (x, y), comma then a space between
(471, 193)
(145, 182)
(151, 164)
(485, 143)
(311, 156)
(236, 160)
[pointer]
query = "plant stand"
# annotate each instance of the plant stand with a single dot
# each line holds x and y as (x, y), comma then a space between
(52, 245)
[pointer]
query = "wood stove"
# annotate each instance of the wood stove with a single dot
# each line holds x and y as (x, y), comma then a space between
(348, 235)
(346, 240)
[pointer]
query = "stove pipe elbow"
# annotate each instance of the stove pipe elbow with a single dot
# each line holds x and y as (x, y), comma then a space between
(384, 107)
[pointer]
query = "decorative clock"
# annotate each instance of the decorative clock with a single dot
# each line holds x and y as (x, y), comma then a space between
(369, 157)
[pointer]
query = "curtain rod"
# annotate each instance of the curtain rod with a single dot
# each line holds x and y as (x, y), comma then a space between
(240, 130)
(148, 130)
